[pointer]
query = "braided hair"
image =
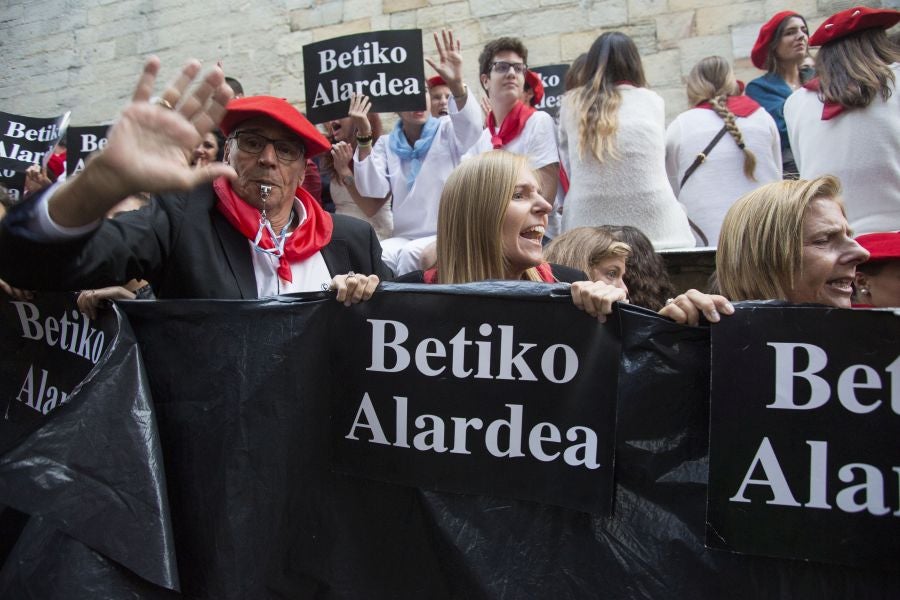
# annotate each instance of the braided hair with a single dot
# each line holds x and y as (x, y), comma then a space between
(712, 80)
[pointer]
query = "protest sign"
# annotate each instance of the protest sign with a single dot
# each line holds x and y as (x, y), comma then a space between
(554, 78)
(804, 429)
(386, 66)
(14, 182)
(25, 141)
(488, 401)
(81, 142)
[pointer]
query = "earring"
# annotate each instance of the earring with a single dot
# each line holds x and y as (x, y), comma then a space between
(864, 291)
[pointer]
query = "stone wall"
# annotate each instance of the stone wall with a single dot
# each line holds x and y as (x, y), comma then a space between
(85, 55)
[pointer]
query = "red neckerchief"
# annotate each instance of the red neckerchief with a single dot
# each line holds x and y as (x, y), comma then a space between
(741, 106)
(829, 109)
(306, 240)
(543, 269)
(563, 181)
(512, 125)
(625, 82)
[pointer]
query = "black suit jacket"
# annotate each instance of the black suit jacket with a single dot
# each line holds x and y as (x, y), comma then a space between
(181, 243)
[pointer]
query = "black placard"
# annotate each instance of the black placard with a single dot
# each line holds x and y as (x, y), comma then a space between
(81, 142)
(25, 141)
(489, 400)
(554, 78)
(386, 66)
(804, 429)
(14, 182)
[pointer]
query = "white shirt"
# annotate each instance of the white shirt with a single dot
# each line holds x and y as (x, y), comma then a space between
(861, 146)
(416, 209)
(719, 180)
(537, 141)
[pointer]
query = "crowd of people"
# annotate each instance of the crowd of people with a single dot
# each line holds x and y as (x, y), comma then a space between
(773, 175)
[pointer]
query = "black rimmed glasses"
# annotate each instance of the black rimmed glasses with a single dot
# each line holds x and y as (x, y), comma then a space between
(254, 143)
(502, 66)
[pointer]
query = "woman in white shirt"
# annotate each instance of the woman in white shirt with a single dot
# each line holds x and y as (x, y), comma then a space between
(746, 155)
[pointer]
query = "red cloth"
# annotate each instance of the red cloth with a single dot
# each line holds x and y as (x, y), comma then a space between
(543, 269)
(434, 81)
(533, 80)
(741, 106)
(829, 109)
(512, 125)
(881, 246)
(852, 20)
(313, 235)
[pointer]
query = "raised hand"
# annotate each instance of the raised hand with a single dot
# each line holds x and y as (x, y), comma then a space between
(449, 65)
(148, 146)
(342, 153)
(359, 109)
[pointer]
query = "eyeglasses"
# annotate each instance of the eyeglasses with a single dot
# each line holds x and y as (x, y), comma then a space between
(253, 143)
(501, 66)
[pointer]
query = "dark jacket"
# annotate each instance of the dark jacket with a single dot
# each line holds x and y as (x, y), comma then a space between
(181, 243)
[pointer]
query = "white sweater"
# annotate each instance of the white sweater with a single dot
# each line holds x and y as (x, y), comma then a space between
(715, 185)
(859, 146)
(633, 189)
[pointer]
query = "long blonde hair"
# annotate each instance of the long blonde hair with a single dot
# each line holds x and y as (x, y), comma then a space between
(761, 241)
(613, 58)
(470, 217)
(712, 80)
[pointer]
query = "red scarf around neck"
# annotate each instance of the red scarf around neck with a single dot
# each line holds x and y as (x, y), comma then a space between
(512, 125)
(829, 109)
(306, 240)
(741, 106)
(543, 269)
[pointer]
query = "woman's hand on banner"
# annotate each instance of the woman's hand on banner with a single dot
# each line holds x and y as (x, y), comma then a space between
(596, 298)
(358, 113)
(686, 308)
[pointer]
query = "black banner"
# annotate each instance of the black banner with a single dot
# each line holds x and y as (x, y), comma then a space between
(242, 419)
(81, 142)
(387, 66)
(25, 141)
(14, 182)
(491, 401)
(554, 79)
(805, 435)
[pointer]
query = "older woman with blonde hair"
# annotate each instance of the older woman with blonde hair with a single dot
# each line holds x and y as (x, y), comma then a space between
(789, 241)
(594, 251)
(491, 222)
(722, 148)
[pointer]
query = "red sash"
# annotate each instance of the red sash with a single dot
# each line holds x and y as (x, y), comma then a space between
(306, 240)
(512, 125)
(829, 109)
(741, 106)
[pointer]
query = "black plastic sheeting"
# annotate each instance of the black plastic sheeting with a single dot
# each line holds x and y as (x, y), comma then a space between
(243, 430)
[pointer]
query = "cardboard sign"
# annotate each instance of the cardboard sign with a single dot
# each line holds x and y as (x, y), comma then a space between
(81, 142)
(553, 77)
(26, 141)
(14, 182)
(804, 459)
(386, 66)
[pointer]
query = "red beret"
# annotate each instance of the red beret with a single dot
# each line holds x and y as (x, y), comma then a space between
(277, 109)
(436, 80)
(881, 246)
(761, 48)
(852, 20)
(533, 80)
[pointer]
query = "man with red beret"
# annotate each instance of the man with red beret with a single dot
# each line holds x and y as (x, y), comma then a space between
(244, 229)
